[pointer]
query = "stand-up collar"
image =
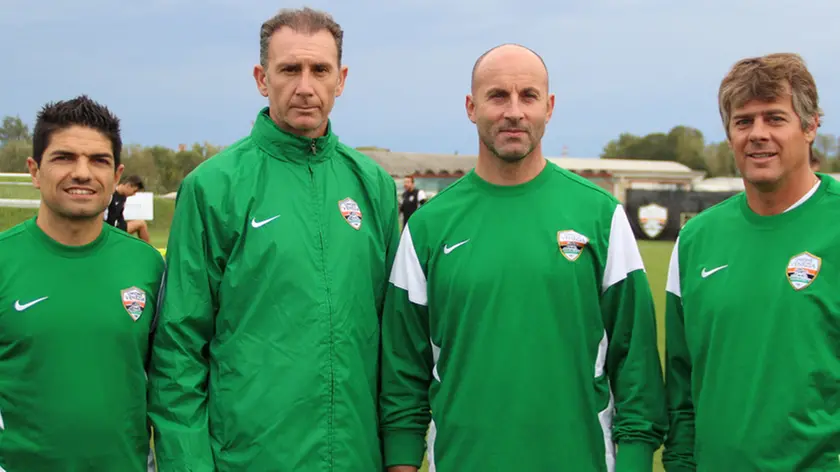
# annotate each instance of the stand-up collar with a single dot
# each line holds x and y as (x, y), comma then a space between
(286, 146)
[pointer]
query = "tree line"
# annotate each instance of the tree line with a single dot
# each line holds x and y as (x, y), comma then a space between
(162, 168)
(687, 146)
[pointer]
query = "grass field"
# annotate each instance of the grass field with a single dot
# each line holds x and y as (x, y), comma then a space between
(655, 254)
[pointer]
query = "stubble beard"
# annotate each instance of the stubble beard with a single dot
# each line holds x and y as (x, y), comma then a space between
(509, 157)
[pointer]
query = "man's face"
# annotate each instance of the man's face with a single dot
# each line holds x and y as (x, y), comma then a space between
(408, 184)
(77, 175)
(768, 142)
(302, 80)
(510, 104)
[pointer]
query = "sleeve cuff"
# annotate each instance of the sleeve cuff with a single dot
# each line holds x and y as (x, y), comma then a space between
(404, 448)
(634, 457)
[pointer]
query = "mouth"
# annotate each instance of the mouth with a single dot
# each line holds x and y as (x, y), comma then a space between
(514, 132)
(761, 156)
(80, 191)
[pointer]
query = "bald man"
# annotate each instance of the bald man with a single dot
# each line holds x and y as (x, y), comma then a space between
(519, 329)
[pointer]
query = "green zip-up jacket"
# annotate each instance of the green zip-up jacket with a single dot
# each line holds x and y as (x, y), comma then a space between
(266, 353)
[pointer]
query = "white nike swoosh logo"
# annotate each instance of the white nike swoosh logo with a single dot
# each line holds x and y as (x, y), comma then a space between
(20, 307)
(705, 273)
(448, 249)
(257, 224)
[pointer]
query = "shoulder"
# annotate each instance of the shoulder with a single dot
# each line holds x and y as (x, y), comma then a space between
(135, 250)
(443, 202)
(223, 164)
(582, 188)
(833, 185)
(713, 217)
(364, 163)
(368, 170)
(12, 235)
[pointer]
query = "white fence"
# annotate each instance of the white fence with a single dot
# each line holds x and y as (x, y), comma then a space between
(140, 206)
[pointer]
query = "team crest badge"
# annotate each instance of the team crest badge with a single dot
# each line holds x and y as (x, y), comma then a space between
(351, 212)
(134, 301)
(803, 269)
(571, 244)
(652, 219)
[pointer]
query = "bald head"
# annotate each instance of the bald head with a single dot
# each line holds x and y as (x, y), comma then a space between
(502, 54)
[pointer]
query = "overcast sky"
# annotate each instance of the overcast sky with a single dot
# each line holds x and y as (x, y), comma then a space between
(180, 71)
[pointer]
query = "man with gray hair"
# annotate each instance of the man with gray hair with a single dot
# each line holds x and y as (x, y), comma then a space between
(753, 310)
(266, 352)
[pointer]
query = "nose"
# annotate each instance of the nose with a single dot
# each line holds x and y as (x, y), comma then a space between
(81, 171)
(759, 131)
(513, 112)
(304, 86)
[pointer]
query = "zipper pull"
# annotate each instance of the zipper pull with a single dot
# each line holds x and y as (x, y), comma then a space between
(314, 147)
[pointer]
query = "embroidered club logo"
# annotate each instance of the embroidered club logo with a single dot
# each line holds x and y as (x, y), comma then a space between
(351, 212)
(803, 269)
(571, 244)
(134, 301)
(652, 219)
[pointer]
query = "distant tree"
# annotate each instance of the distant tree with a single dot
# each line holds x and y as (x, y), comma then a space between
(14, 129)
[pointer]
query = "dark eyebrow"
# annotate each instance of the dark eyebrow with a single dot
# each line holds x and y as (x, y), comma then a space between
(297, 65)
(65, 153)
(494, 91)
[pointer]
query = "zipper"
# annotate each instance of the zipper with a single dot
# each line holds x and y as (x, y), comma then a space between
(331, 414)
(314, 148)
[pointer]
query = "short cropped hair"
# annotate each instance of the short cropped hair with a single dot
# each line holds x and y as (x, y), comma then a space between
(304, 20)
(767, 78)
(79, 111)
(136, 181)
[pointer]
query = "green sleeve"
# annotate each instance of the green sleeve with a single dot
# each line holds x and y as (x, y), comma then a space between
(179, 368)
(392, 237)
(678, 455)
(633, 364)
(407, 361)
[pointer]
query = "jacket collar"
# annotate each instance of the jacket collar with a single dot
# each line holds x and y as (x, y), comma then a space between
(286, 146)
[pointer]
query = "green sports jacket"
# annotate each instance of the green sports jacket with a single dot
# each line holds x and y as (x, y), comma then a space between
(266, 353)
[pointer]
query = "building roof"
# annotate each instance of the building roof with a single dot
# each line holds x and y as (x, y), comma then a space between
(401, 164)
(619, 165)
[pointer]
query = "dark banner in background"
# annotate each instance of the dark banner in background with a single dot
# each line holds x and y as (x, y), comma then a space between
(659, 214)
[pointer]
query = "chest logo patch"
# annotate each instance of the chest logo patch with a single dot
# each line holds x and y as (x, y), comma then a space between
(571, 244)
(351, 212)
(134, 301)
(652, 219)
(803, 269)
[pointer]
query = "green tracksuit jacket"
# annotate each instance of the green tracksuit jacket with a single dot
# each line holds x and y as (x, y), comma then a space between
(266, 354)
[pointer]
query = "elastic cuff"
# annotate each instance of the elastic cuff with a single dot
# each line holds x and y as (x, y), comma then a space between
(404, 448)
(634, 457)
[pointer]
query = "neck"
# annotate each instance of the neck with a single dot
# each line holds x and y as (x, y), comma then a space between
(775, 201)
(500, 172)
(68, 231)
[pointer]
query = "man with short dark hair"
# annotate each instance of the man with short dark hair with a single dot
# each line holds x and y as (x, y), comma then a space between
(77, 305)
(114, 213)
(412, 198)
(266, 357)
